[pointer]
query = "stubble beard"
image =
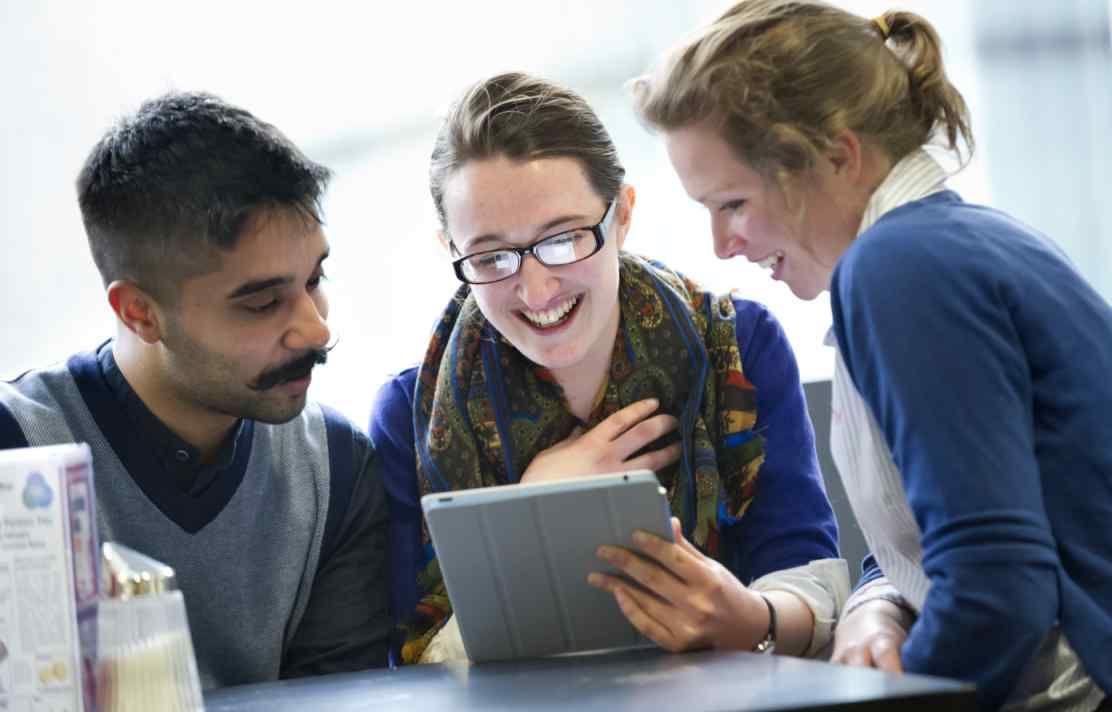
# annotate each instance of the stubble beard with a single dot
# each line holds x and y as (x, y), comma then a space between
(208, 381)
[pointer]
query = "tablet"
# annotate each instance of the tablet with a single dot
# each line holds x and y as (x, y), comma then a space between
(515, 561)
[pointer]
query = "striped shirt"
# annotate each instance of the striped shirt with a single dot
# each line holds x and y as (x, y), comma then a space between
(1054, 678)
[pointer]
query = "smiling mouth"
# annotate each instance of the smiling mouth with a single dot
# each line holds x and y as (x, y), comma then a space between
(772, 261)
(551, 318)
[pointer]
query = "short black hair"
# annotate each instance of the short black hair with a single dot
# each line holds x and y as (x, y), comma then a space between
(183, 175)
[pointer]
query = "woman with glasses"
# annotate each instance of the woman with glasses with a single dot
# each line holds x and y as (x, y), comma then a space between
(971, 392)
(561, 354)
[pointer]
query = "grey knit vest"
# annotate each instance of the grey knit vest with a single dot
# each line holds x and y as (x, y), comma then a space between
(247, 574)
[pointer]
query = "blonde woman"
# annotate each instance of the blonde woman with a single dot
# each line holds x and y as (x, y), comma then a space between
(971, 390)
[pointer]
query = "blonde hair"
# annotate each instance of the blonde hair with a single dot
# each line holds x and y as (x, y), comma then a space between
(781, 78)
(523, 118)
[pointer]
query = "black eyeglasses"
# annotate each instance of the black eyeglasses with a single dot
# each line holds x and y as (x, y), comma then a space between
(564, 248)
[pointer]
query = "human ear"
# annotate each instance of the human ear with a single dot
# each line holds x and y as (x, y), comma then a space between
(845, 154)
(627, 196)
(135, 309)
(445, 241)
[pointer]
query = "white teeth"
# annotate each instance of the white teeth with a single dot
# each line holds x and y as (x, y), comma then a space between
(550, 316)
(771, 261)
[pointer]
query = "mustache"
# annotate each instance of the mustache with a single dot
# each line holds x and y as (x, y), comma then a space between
(292, 371)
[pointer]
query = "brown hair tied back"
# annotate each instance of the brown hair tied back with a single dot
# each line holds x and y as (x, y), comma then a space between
(523, 118)
(782, 78)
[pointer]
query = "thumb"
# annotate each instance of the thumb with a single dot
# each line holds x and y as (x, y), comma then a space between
(886, 654)
(678, 537)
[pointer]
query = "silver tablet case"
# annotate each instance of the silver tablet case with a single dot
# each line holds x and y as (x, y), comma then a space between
(515, 561)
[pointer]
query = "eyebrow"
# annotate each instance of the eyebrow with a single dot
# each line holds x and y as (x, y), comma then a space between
(495, 237)
(713, 196)
(258, 285)
(720, 192)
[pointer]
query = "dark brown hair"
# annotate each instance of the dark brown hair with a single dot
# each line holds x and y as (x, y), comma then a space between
(168, 188)
(524, 118)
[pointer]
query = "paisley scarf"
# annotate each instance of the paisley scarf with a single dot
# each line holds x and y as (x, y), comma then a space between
(482, 411)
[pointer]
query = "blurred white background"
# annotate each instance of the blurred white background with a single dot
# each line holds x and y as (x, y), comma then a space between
(362, 89)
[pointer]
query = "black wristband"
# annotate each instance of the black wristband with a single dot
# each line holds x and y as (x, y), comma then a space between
(767, 645)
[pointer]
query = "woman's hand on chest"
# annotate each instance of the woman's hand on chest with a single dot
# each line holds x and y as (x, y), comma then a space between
(610, 446)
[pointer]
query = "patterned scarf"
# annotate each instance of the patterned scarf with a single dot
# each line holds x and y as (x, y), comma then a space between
(483, 411)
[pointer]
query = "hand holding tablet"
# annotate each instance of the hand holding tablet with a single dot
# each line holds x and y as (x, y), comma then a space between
(682, 599)
(515, 561)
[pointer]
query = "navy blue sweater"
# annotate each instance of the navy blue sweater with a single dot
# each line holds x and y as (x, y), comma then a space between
(987, 362)
(789, 523)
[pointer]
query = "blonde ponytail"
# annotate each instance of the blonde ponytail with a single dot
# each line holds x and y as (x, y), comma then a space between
(916, 43)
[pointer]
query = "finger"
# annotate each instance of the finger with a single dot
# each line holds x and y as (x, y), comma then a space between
(635, 606)
(614, 583)
(686, 564)
(624, 419)
(650, 574)
(844, 654)
(857, 656)
(681, 540)
(885, 652)
(644, 611)
(659, 615)
(643, 433)
(656, 460)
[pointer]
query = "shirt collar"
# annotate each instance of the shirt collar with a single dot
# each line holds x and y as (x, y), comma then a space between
(914, 177)
(180, 458)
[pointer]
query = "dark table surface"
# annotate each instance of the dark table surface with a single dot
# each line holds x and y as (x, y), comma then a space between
(634, 680)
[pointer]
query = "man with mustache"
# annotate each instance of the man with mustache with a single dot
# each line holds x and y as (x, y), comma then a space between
(205, 225)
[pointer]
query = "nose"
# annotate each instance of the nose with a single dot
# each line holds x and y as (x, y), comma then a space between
(536, 284)
(309, 327)
(727, 242)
